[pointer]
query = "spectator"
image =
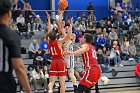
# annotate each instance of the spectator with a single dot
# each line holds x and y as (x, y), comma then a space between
(78, 68)
(44, 45)
(115, 40)
(83, 17)
(112, 34)
(38, 79)
(80, 38)
(115, 15)
(124, 51)
(109, 26)
(82, 27)
(47, 58)
(115, 56)
(27, 8)
(132, 22)
(108, 46)
(125, 27)
(86, 23)
(22, 26)
(54, 25)
(132, 49)
(39, 59)
(132, 31)
(90, 7)
(126, 40)
(112, 8)
(125, 15)
(138, 19)
(96, 35)
(106, 55)
(33, 48)
(102, 23)
(129, 8)
(129, 19)
(78, 22)
(15, 10)
(20, 19)
(136, 29)
(45, 72)
(30, 23)
(118, 7)
(37, 23)
(119, 21)
(76, 32)
(90, 27)
(101, 61)
(91, 17)
(101, 41)
(124, 6)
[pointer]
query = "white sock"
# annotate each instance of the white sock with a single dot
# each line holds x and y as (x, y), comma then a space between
(50, 91)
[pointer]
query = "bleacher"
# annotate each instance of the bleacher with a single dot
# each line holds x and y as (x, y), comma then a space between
(124, 78)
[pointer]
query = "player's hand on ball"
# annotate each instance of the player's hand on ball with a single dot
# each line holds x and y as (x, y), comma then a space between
(61, 11)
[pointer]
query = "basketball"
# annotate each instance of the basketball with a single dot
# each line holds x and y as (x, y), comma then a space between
(63, 4)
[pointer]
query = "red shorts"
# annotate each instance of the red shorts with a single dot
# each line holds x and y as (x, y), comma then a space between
(58, 68)
(90, 77)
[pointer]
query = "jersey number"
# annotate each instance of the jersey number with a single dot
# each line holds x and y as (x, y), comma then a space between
(53, 51)
(94, 55)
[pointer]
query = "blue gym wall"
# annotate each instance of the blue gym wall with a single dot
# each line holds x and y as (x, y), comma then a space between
(38, 4)
(100, 6)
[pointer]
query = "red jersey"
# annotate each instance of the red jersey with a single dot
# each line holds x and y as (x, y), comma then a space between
(90, 57)
(55, 51)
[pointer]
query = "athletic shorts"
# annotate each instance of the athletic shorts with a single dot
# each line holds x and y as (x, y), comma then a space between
(69, 61)
(90, 77)
(58, 68)
(7, 84)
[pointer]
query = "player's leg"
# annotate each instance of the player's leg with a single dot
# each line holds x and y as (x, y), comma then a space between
(61, 66)
(51, 84)
(73, 78)
(82, 88)
(62, 83)
(77, 75)
(88, 90)
(53, 74)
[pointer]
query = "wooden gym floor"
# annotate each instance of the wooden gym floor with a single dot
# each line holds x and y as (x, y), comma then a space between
(119, 90)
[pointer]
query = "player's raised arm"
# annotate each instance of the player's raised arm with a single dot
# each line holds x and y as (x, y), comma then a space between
(67, 37)
(63, 30)
(60, 13)
(81, 50)
(49, 22)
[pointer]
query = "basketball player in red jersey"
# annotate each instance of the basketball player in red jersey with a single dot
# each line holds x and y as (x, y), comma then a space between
(92, 69)
(58, 66)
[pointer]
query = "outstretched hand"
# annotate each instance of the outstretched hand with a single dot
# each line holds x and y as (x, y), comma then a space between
(71, 21)
(48, 15)
(68, 53)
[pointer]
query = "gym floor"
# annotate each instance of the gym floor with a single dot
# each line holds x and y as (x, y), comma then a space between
(119, 90)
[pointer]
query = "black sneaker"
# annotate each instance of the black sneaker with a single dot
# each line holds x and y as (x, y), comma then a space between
(114, 72)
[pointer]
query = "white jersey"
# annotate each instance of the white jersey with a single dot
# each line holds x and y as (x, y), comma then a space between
(68, 46)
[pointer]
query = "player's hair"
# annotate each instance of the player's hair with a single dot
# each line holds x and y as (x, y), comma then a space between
(88, 37)
(52, 35)
(5, 7)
